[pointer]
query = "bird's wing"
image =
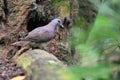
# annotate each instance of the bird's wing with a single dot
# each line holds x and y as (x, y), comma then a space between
(38, 34)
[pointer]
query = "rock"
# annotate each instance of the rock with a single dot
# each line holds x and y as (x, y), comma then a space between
(41, 65)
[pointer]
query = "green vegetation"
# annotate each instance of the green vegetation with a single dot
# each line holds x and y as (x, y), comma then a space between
(98, 45)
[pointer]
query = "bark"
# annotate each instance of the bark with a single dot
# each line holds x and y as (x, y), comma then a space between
(88, 12)
(12, 23)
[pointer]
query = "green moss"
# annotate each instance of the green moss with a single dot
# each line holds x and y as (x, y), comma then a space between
(65, 75)
(24, 62)
(63, 5)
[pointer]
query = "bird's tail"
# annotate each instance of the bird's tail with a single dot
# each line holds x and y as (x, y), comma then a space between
(20, 43)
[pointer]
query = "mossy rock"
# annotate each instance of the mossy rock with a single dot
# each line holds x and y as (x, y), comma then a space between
(40, 65)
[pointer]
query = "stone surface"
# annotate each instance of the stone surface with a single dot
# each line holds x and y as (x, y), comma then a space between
(41, 65)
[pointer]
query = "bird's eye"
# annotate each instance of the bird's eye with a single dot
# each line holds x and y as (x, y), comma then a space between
(58, 21)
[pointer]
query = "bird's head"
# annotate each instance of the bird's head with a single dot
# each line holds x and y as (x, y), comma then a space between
(58, 22)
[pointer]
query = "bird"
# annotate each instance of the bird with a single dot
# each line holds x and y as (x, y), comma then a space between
(40, 34)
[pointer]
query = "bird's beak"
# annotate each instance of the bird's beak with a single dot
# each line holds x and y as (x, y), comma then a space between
(61, 25)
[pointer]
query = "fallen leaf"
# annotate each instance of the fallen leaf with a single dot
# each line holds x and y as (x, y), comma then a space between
(18, 78)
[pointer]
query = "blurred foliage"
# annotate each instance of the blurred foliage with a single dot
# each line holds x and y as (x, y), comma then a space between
(98, 44)
(98, 72)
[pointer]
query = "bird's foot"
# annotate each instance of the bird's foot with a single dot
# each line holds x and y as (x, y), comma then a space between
(18, 53)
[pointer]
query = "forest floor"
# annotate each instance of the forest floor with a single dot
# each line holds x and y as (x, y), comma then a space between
(8, 68)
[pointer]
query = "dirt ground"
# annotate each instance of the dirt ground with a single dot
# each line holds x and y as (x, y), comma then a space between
(8, 68)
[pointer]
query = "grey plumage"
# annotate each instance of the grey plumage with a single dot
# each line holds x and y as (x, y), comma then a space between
(41, 34)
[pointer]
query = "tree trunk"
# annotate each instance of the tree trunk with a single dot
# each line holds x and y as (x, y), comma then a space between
(88, 12)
